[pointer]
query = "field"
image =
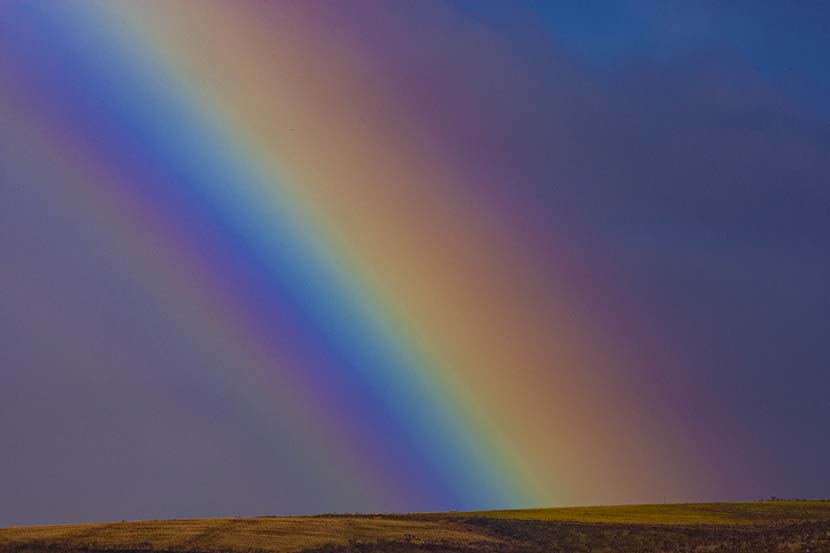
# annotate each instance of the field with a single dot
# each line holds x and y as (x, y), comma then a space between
(782, 526)
(681, 513)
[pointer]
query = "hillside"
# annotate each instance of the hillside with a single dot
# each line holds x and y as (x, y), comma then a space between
(680, 513)
(791, 526)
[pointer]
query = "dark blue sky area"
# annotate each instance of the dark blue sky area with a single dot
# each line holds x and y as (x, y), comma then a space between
(785, 42)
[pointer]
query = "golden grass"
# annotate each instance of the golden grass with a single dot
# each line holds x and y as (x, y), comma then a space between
(681, 513)
(284, 534)
(292, 534)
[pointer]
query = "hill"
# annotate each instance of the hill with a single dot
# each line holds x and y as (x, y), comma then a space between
(678, 513)
(781, 526)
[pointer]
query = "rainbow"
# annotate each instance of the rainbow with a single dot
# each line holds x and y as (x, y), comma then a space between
(250, 170)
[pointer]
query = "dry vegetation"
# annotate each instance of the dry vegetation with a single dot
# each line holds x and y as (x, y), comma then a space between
(242, 534)
(680, 513)
(781, 526)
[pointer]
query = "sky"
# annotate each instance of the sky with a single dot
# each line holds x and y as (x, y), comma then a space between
(271, 258)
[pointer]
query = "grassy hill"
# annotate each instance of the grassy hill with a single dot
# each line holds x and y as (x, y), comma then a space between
(781, 526)
(236, 534)
(680, 513)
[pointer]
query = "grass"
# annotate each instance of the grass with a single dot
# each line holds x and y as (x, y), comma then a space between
(780, 526)
(680, 513)
(265, 534)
